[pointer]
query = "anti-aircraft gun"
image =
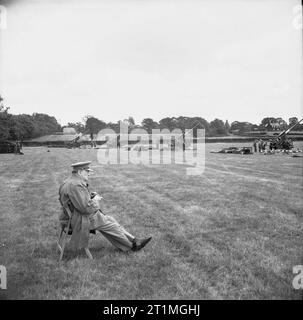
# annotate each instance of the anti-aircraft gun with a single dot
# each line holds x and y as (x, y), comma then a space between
(10, 147)
(281, 141)
(75, 143)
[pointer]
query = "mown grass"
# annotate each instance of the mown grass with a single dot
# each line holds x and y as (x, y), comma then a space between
(234, 232)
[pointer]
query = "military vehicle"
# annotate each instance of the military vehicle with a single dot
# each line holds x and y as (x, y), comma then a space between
(10, 147)
(7, 147)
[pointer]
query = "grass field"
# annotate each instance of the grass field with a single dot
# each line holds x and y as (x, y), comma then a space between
(234, 232)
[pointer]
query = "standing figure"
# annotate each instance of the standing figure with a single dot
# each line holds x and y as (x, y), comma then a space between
(260, 145)
(255, 145)
(291, 144)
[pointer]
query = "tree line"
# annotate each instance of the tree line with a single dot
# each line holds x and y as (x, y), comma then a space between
(24, 126)
(216, 127)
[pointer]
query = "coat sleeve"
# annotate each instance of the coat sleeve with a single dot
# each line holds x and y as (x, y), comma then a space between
(80, 198)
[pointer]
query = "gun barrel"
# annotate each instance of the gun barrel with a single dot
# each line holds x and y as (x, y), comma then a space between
(289, 129)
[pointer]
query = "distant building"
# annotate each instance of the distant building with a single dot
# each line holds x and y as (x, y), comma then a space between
(56, 139)
(69, 130)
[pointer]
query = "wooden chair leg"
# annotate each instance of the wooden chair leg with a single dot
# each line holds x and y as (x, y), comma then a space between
(88, 253)
(64, 240)
(63, 247)
(59, 241)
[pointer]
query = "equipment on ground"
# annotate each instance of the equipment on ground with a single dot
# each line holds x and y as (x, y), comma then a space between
(235, 150)
(75, 142)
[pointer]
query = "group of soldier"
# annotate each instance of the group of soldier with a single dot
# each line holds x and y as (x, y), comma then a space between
(259, 145)
(271, 145)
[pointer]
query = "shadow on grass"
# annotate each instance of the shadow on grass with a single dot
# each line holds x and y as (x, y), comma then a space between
(97, 253)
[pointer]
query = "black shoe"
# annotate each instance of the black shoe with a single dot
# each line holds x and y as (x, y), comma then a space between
(138, 244)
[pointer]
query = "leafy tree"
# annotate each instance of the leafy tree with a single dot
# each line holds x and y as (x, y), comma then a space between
(148, 124)
(22, 127)
(271, 123)
(4, 121)
(217, 127)
(200, 123)
(44, 124)
(241, 127)
(185, 123)
(168, 123)
(94, 125)
(281, 124)
(268, 123)
(131, 121)
(114, 126)
(292, 121)
(78, 126)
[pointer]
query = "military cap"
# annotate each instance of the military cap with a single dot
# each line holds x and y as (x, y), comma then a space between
(81, 166)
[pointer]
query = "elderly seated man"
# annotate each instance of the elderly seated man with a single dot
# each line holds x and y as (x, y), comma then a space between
(87, 216)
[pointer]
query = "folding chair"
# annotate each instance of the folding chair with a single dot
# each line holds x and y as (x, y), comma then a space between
(65, 231)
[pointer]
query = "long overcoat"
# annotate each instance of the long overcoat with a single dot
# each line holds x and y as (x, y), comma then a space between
(75, 191)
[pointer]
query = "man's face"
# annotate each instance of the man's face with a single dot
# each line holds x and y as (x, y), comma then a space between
(84, 174)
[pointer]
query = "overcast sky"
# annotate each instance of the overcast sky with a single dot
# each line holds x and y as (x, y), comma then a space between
(236, 60)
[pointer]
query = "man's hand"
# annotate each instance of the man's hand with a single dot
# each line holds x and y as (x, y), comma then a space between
(95, 194)
(97, 197)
